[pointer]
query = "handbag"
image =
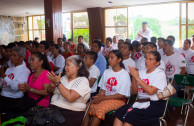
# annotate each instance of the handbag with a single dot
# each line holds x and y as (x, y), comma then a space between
(169, 90)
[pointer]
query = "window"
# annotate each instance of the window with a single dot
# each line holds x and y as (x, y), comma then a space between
(116, 22)
(36, 27)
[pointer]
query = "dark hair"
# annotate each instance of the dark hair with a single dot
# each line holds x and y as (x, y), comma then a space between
(121, 40)
(156, 55)
(46, 44)
(144, 38)
(59, 39)
(144, 23)
(97, 38)
(51, 42)
(70, 40)
(36, 38)
(21, 43)
(67, 43)
(93, 55)
(57, 47)
(136, 44)
(36, 44)
(128, 40)
(11, 45)
(153, 39)
(109, 39)
(169, 42)
(77, 60)
(98, 43)
(43, 57)
(145, 43)
(80, 36)
(152, 44)
(130, 46)
(171, 37)
(189, 41)
(119, 55)
(161, 39)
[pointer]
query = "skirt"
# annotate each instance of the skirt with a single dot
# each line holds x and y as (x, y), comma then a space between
(142, 117)
(99, 110)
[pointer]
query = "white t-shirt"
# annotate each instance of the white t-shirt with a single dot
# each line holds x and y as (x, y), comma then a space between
(183, 52)
(62, 49)
(81, 86)
(141, 64)
(86, 45)
(128, 62)
(147, 34)
(106, 51)
(173, 64)
(15, 75)
(114, 45)
(94, 72)
(116, 82)
(59, 61)
(136, 56)
(190, 63)
(161, 52)
(157, 79)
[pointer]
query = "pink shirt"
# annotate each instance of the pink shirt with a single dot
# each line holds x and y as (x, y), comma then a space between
(38, 84)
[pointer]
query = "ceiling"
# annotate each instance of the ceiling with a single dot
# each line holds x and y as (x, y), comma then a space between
(36, 7)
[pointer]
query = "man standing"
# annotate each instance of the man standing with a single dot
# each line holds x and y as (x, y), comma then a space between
(144, 32)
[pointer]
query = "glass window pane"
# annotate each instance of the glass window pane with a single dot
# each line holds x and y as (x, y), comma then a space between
(183, 33)
(162, 22)
(80, 20)
(67, 24)
(190, 31)
(37, 33)
(190, 13)
(116, 17)
(30, 23)
(121, 32)
(37, 22)
(183, 13)
(83, 32)
(42, 22)
(31, 35)
(43, 35)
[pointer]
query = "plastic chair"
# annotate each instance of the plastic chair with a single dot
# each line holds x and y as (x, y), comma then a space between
(185, 80)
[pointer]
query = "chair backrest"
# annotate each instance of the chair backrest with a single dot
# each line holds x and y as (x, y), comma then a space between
(185, 80)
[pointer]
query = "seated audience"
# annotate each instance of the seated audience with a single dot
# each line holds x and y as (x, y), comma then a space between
(174, 62)
(67, 53)
(190, 64)
(60, 43)
(144, 39)
(137, 53)
(120, 44)
(153, 39)
(126, 51)
(115, 87)
(150, 46)
(192, 46)
(108, 47)
(172, 38)
(81, 50)
(101, 61)
(72, 45)
(115, 42)
(58, 59)
(38, 81)
(81, 40)
(128, 40)
(185, 50)
(160, 46)
(13, 76)
(71, 92)
(145, 84)
(93, 70)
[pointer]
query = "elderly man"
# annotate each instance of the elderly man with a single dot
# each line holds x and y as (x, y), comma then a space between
(144, 32)
(18, 74)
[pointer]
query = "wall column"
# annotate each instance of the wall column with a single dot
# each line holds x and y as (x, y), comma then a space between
(53, 19)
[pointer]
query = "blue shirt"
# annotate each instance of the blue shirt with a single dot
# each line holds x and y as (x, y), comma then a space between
(101, 63)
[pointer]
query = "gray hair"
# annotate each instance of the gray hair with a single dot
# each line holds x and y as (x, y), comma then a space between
(76, 60)
(21, 51)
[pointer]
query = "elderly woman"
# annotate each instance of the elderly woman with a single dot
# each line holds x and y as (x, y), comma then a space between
(38, 81)
(145, 84)
(18, 74)
(71, 92)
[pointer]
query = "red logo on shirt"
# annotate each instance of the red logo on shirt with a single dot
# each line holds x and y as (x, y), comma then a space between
(170, 69)
(138, 55)
(11, 76)
(192, 59)
(147, 82)
(110, 83)
(183, 54)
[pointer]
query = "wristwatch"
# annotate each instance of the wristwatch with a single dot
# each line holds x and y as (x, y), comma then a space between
(57, 84)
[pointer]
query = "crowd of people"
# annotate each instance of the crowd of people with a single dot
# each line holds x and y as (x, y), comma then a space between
(67, 75)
